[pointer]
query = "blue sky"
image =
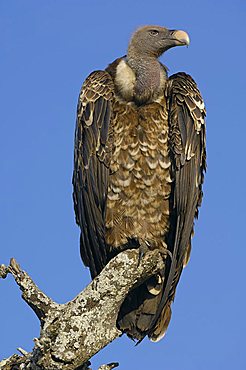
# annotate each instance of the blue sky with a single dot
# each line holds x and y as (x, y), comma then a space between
(48, 47)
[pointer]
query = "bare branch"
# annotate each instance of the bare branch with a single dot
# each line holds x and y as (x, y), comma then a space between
(32, 295)
(113, 365)
(72, 333)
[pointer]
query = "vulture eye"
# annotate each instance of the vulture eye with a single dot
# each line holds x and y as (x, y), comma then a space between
(154, 32)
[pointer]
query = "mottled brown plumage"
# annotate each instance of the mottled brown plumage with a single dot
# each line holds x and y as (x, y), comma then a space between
(138, 171)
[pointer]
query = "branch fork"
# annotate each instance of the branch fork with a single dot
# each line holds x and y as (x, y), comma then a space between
(72, 333)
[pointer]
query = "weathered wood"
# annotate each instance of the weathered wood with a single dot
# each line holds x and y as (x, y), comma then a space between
(72, 333)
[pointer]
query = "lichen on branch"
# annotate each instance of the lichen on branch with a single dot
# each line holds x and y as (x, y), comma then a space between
(72, 333)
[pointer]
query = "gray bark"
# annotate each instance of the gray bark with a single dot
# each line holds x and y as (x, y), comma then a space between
(72, 333)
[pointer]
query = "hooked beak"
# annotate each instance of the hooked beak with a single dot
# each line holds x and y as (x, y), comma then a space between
(181, 37)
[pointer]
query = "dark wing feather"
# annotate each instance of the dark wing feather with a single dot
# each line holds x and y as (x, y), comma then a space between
(91, 161)
(186, 115)
(188, 147)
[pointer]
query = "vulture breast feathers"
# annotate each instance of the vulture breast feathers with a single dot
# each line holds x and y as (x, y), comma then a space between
(139, 162)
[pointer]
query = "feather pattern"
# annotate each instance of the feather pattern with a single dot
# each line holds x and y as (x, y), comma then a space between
(138, 174)
(91, 166)
(186, 117)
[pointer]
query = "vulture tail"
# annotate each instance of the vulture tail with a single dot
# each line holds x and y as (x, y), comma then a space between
(147, 308)
(138, 311)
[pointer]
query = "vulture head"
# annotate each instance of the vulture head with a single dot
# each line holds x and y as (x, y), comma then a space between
(155, 40)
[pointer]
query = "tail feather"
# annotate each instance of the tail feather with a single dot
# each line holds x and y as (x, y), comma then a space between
(161, 326)
(147, 308)
(138, 311)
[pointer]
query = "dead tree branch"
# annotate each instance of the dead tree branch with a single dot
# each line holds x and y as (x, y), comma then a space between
(72, 333)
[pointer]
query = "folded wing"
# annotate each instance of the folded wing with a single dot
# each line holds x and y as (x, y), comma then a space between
(91, 167)
(186, 115)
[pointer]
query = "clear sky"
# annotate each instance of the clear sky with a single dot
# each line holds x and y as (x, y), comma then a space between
(47, 49)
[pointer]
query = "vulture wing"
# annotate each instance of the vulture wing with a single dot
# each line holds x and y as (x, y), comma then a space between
(91, 161)
(186, 115)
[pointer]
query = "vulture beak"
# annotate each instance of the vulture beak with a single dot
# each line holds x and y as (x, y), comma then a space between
(181, 37)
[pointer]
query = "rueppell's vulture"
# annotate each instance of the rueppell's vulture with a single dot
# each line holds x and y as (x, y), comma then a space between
(139, 162)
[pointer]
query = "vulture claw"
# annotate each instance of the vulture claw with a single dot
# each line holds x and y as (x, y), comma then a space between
(143, 249)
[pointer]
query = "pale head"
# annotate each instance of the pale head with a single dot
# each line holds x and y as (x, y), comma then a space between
(155, 40)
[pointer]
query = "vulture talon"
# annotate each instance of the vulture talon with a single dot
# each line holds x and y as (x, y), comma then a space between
(143, 249)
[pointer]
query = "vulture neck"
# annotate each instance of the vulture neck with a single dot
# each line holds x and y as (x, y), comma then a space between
(149, 76)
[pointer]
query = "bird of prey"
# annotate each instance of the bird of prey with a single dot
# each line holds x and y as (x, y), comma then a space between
(139, 163)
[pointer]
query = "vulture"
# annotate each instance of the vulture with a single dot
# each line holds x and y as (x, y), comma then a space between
(139, 163)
